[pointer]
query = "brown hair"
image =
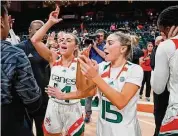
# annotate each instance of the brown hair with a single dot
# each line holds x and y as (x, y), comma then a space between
(125, 40)
(77, 42)
(134, 40)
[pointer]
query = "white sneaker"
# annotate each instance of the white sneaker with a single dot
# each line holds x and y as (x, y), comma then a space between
(140, 96)
(148, 99)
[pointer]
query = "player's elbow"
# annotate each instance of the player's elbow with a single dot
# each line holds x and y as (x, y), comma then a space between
(34, 40)
(92, 93)
(120, 106)
(158, 89)
(87, 94)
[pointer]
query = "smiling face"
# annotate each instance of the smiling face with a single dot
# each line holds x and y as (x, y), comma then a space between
(68, 45)
(114, 48)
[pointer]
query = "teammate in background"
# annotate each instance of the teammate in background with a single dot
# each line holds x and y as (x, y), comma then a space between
(62, 112)
(118, 81)
(166, 69)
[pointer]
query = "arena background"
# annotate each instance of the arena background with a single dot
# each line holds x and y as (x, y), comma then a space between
(139, 16)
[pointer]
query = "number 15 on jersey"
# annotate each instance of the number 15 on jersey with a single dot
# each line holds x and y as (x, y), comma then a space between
(115, 116)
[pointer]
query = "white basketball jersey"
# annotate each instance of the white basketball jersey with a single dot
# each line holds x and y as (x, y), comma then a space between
(112, 121)
(64, 78)
(172, 109)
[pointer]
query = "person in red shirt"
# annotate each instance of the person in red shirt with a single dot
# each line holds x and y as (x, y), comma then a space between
(145, 63)
(113, 27)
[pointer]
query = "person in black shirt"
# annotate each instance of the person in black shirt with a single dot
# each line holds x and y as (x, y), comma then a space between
(136, 51)
(19, 90)
(39, 67)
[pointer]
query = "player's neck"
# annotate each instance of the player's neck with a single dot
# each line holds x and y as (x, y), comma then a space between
(118, 63)
(66, 60)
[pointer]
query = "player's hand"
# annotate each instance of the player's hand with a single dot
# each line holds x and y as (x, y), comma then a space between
(89, 67)
(54, 92)
(173, 32)
(86, 52)
(53, 17)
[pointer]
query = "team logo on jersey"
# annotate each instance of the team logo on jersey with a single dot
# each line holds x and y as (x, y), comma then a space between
(122, 79)
(48, 121)
(64, 70)
(111, 83)
(73, 68)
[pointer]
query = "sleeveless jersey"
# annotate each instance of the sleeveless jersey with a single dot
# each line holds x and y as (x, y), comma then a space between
(112, 121)
(64, 78)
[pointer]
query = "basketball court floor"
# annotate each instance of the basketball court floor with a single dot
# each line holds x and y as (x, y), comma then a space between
(146, 123)
(145, 117)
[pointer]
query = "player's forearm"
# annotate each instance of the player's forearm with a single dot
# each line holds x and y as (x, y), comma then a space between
(78, 95)
(110, 93)
(39, 45)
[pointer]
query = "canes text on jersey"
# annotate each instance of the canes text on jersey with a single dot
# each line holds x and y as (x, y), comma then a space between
(64, 80)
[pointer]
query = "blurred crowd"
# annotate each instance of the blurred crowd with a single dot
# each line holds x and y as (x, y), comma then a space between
(33, 58)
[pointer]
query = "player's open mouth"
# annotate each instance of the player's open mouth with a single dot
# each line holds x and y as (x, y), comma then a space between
(63, 48)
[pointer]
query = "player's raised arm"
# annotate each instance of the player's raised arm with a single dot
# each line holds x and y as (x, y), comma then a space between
(38, 36)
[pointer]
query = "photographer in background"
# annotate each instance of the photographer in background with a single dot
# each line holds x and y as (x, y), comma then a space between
(97, 49)
(97, 54)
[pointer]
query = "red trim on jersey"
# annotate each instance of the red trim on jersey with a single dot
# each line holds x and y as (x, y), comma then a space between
(175, 42)
(44, 129)
(75, 125)
(123, 69)
(74, 61)
(106, 74)
(59, 62)
(170, 126)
